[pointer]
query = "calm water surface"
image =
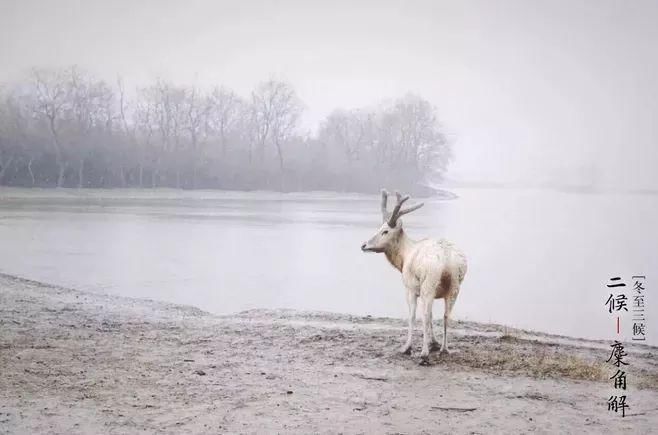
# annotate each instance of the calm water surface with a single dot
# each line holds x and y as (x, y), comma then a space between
(538, 259)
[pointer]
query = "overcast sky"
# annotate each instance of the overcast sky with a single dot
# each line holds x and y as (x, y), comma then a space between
(529, 91)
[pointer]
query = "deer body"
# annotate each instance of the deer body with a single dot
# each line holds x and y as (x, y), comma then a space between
(431, 269)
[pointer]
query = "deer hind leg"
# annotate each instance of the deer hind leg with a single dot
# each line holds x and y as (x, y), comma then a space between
(428, 301)
(449, 304)
(412, 299)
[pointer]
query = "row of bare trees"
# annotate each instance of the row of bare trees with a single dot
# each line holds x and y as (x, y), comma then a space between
(66, 128)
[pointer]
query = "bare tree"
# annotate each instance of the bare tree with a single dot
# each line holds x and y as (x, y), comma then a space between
(53, 95)
(421, 147)
(275, 111)
(166, 101)
(144, 126)
(129, 130)
(351, 133)
(22, 139)
(88, 113)
(224, 112)
(8, 124)
(195, 108)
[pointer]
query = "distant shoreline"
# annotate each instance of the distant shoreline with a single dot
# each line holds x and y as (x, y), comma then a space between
(6, 191)
(442, 192)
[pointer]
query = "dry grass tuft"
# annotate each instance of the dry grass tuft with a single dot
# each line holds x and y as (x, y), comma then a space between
(648, 380)
(567, 366)
(530, 358)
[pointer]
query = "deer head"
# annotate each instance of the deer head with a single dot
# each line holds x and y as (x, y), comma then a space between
(391, 229)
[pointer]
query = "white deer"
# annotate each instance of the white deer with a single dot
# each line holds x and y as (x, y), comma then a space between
(431, 269)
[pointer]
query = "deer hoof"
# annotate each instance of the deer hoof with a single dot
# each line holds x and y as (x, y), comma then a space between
(444, 351)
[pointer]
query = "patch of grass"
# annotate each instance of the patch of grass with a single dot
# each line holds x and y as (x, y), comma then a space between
(648, 380)
(506, 334)
(559, 365)
(514, 355)
(511, 354)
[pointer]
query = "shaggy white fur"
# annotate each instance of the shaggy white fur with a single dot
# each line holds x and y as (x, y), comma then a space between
(431, 269)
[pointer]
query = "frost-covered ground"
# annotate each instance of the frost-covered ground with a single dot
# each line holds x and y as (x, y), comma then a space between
(76, 362)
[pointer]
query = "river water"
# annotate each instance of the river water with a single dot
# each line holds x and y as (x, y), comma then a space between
(538, 258)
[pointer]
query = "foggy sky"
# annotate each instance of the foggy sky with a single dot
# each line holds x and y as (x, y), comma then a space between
(528, 91)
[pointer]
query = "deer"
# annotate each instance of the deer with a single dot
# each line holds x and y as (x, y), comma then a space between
(431, 269)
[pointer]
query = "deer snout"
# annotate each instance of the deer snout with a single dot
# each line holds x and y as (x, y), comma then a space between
(363, 247)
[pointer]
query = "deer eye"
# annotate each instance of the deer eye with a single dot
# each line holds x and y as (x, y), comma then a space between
(385, 232)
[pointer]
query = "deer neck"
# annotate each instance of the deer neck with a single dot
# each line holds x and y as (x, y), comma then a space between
(397, 251)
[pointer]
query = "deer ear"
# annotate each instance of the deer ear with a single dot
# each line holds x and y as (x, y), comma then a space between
(398, 224)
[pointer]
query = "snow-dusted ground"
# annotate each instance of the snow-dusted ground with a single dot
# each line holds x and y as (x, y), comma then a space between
(75, 362)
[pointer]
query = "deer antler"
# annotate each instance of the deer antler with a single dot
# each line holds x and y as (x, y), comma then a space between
(397, 211)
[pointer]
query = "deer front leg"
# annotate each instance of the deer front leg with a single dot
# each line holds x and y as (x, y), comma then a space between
(434, 343)
(412, 299)
(428, 301)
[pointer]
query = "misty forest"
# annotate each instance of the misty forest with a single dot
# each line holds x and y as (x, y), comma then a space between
(67, 128)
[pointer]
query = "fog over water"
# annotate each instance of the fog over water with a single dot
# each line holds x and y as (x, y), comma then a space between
(560, 92)
(538, 259)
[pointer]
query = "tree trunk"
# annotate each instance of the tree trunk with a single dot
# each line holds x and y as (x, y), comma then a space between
(261, 153)
(29, 169)
(61, 169)
(223, 139)
(61, 165)
(141, 175)
(280, 155)
(4, 168)
(81, 169)
(122, 176)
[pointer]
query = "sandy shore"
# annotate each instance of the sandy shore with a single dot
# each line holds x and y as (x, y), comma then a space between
(74, 362)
